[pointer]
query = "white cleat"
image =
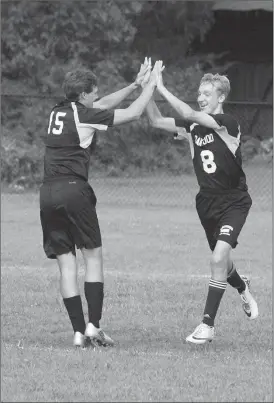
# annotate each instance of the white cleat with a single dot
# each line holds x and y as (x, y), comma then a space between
(201, 334)
(250, 306)
(79, 340)
(98, 336)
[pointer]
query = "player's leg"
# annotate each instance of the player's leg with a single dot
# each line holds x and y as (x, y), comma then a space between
(94, 292)
(217, 286)
(59, 244)
(87, 234)
(233, 277)
(94, 284)
(211, 210)
(230, 222)
(242, 285)
(209, 213)
(218, 281)
(71, 295)
(236, 216)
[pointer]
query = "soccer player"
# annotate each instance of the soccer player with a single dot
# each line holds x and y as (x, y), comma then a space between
(223, 201)
(67, 201)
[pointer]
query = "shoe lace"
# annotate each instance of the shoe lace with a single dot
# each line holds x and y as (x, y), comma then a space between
(244, 298)
(199, 329)
(246, 280)
(246, 304)
(102, 335)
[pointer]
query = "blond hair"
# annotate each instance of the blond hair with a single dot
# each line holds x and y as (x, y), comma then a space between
(222, 83)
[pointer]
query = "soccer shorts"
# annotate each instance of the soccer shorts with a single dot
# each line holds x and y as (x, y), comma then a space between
(223, 215)
(68, 217)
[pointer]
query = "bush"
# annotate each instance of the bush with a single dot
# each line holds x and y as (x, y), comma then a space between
(137, 148)
(131, 150)
(21, 163)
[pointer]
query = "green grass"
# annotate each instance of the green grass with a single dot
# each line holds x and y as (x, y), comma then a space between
(156, 277)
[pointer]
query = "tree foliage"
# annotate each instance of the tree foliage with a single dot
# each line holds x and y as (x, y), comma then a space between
(171, 28)
(41, 40)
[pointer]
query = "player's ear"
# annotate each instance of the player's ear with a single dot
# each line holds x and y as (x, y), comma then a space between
(82, 95)
(221, 98)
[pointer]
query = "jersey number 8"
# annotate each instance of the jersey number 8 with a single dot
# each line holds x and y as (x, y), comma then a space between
(208, 161)
(58, 124)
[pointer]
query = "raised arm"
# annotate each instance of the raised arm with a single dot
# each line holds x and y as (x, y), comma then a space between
(114, 99)
(183, 109)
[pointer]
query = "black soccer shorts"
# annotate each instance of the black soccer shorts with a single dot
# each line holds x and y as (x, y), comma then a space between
(223, 215)
(68, 217)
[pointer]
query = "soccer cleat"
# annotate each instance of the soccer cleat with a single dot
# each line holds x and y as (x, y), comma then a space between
(98, 336)
(79, 340)
(250, 306)
(201, 334)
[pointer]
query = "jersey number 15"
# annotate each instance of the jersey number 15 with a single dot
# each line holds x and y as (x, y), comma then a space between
(58, 123)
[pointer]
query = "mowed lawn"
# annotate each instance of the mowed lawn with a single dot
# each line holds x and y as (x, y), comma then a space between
(156, 278)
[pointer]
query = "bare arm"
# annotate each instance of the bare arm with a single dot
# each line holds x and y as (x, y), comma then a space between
(135, 110)
(157, 120)
(185, 110)
(114, 99)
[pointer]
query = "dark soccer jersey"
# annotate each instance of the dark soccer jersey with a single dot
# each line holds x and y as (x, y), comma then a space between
(70, 135)
(216, 154)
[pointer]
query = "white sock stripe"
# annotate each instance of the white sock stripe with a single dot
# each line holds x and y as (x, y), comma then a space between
(217, 284)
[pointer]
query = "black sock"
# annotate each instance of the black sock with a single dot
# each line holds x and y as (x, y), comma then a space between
(94, 293)
(75, 312)
(235, 280)
(214, 296)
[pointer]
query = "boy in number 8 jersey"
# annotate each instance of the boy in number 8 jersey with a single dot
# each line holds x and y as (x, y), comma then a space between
(223, 201)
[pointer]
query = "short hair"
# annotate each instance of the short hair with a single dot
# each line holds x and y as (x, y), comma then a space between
(222, 83)
(78, 81)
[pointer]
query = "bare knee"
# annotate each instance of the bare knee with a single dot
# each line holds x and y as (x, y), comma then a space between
(220, 260)
(94, 264)
(92, 254)
(221, 254)
(68, 275)
(67, 264)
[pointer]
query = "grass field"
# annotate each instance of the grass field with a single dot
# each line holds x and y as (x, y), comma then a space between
(156, 278)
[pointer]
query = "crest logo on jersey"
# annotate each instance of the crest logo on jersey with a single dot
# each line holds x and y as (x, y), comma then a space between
(226, 230)
(205, 140)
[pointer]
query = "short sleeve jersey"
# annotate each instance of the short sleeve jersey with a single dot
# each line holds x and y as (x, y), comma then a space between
(216, 154)
(70, 137)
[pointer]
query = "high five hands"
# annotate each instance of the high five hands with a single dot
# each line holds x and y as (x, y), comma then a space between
(144, 71)
(152, 76)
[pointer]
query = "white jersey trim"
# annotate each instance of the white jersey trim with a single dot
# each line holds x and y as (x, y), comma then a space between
(183, 134)
(85, 130)
(231, 141)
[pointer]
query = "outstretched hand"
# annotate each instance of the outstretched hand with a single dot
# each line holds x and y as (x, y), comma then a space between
(144, 73)
(146, 77)
(160, 69)
(156, 74)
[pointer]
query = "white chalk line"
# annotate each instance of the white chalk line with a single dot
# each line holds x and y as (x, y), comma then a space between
(20, 346)
(118, 273)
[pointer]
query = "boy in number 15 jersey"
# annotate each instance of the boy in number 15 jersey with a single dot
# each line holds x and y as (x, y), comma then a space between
(67, 201)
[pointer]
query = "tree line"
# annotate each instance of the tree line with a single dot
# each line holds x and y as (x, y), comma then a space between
(42, 40)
